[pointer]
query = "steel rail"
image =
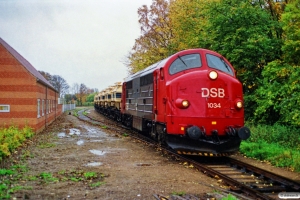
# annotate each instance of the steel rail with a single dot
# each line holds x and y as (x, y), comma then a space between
(288, 184)
(235, 185)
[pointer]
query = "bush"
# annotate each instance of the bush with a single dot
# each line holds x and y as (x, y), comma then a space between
(278, 134)
(277, 144)
(11, 138)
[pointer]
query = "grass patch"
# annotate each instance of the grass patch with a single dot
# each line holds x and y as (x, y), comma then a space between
(276, 144)
(277, 155)
(46, 145)
(79, 175)
(9, 179)
(75, 113)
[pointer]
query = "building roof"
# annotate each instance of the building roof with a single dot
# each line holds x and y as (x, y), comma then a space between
(40, 78)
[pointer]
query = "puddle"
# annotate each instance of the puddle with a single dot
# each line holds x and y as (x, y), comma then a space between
(143, 164)
(96, 140)
(74, 131)
(98, 152)
(80, 142)
(97, 133)
(61, 135)
(94, 164)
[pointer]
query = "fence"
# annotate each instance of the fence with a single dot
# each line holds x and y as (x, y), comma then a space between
(68, 107)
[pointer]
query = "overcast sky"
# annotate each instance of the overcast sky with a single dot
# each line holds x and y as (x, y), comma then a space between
(83, 41)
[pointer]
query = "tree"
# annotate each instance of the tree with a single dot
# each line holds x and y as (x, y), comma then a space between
(46, 75)
(188, 19)
(153, 44)
(59, 84)
(90, 97)
(291, 25)
(82, 93)
(278, 97)
(75, 88)
(70, 98)
(244, 33)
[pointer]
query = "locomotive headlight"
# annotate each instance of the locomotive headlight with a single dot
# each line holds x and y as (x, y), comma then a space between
(239, 104)
(213, 75)
(185, 103)
(182, 103)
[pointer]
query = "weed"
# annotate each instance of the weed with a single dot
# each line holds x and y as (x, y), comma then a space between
(4, 172)
(125, 135)
(230, 197)
(62, 172)
(26, 154)
(75, 179)
(32, 178)
(90, 175)
(47, 177)
(46, 145)
(9, 179)
(179, 193)
(97, 184)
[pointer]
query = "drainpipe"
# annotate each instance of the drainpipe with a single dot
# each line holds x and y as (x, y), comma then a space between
(55, 103)
(46, 106)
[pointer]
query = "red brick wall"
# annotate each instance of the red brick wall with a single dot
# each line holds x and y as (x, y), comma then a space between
(20, 89)
(50, 109)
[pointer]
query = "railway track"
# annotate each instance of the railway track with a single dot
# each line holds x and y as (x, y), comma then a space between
(236, 176)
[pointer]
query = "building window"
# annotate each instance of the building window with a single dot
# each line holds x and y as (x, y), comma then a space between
(38, 108)
(47, 105)
(43, 107)
(4, 108)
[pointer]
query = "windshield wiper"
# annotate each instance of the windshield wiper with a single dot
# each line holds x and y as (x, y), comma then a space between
(182, 61)
(226, 65)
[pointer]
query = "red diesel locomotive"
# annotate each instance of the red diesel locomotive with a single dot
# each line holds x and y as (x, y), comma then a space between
(190, 101)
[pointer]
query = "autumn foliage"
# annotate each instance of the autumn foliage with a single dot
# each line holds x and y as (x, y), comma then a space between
(260, 38)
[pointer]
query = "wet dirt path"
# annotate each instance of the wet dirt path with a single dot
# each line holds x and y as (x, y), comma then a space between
(71, 149)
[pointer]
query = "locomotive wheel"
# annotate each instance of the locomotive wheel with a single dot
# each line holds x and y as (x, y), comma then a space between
(161, 135)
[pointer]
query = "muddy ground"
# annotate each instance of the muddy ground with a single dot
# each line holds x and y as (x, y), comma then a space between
(73, 159)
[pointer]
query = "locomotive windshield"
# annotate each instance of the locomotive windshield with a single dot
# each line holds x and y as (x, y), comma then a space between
(185, 62)
(219, 64)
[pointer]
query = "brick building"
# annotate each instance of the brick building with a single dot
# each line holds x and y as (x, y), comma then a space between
(26, 97)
